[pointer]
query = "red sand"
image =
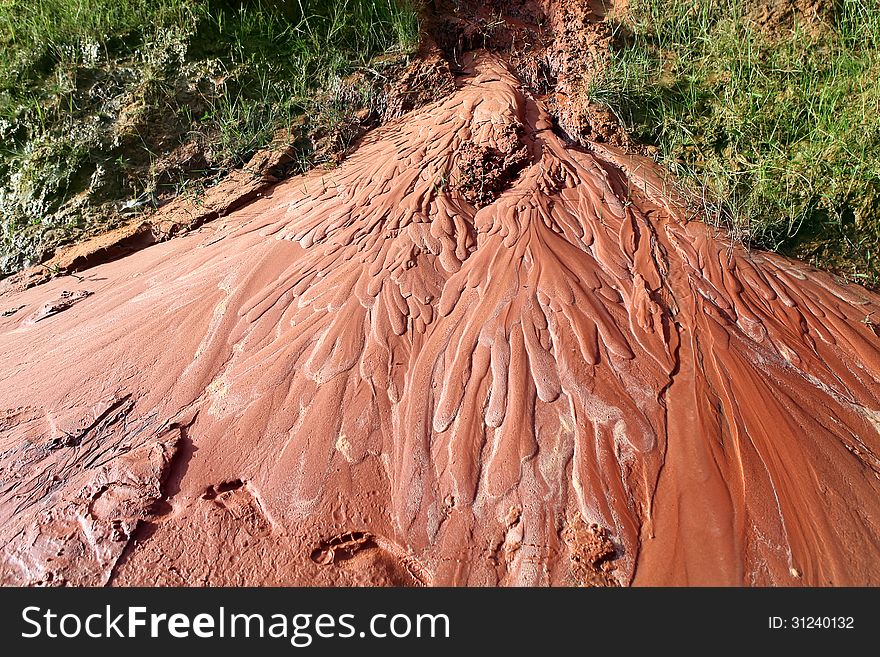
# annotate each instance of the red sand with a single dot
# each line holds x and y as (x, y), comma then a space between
(362, 379)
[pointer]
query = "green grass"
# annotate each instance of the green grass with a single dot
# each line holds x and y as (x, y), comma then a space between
(98, 98)
(776, 131)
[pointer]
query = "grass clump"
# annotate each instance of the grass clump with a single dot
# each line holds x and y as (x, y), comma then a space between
(111, 106)
(773, 121)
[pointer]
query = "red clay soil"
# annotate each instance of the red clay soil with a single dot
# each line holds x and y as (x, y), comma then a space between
(361, 378)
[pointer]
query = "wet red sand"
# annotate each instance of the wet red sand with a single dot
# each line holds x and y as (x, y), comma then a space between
(362, 379)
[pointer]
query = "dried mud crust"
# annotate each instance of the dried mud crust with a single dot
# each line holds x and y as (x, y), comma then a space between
(88, 488)
(362, 378)
(392, 86)
(484, 172)
(426, 79)
(592, 553)
(775, 16)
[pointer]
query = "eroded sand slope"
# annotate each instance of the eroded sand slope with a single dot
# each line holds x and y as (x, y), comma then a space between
(364, 378)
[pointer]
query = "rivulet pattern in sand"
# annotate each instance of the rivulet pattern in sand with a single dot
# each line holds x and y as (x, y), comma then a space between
(395, 372)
